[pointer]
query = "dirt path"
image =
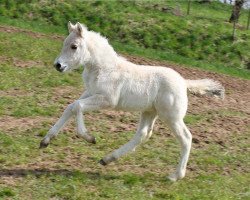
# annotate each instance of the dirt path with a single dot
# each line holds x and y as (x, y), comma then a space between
(11, 29)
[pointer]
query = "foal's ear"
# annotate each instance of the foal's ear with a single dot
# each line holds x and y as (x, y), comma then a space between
(71, 27)
(79, 29)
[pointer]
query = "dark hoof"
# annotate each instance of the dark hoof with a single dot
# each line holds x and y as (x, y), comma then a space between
(102, 162)
(89, 138)
(43, 145)
(93, 140)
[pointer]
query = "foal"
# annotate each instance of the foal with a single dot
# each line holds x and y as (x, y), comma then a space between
(112, 82)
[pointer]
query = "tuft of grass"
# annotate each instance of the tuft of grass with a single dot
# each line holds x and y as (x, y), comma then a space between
(7, 192)
(193, 119)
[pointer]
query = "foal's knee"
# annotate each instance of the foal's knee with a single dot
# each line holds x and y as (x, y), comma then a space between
(74, 107)
(188, 136)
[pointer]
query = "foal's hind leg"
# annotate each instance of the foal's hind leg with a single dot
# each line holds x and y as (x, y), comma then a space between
(185, 138)
(150, 130)
(171, 108)
(145, 122)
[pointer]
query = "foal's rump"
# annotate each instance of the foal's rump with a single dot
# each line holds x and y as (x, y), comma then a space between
(176, 83)
(171, 101)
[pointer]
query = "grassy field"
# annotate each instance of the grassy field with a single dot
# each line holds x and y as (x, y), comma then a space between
(160, 29)
(33, 95)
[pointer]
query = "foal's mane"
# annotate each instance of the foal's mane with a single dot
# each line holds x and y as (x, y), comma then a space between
(102, 53)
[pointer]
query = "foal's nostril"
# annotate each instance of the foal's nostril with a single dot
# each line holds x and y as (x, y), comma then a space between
(58, 65)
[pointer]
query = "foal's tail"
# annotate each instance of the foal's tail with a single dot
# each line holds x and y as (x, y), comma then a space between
(206, 87)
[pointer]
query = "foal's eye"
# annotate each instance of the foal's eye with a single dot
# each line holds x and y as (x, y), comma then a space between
(73, 46)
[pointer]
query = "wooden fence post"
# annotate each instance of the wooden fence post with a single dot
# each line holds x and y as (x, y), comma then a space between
(188, 7)
(234, 29)
(248, 20)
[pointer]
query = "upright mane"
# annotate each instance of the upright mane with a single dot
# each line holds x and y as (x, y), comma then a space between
(102, 53)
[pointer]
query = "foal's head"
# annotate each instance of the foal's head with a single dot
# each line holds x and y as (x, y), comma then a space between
(74, 52)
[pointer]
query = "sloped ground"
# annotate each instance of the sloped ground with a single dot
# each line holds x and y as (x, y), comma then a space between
(220, 143)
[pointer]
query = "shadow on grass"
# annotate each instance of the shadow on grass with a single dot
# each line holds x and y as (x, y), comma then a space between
(50, 172)
(129, 178)
(35, 172)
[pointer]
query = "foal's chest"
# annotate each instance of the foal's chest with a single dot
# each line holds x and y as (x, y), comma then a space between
(90, 80)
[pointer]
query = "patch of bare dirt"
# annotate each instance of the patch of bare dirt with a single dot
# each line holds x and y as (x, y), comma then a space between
(66, 92)
(10, 124)
(11, 29)
(14, 92)
(9, 180)
(20, 63)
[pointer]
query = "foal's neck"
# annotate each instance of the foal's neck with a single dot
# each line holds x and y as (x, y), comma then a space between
(102, 54)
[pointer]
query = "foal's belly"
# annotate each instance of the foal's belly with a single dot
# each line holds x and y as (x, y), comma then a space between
(134, 102)
(137, 93)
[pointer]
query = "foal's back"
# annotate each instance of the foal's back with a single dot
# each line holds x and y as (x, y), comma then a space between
(142, 85)
(152, 76)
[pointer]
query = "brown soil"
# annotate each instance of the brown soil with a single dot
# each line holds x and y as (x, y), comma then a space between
(11, 29)
(21, 63)
(11, 124)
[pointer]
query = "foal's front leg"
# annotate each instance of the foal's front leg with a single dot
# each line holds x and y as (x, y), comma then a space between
(67, 114)
(95, 102)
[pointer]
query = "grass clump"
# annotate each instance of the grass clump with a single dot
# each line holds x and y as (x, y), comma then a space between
(7, 192)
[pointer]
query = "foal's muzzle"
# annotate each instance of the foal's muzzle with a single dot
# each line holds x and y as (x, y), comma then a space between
(59, 67)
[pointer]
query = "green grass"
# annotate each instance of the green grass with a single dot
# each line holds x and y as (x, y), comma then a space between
(202, 39)
(120, 185)
(188, 62)
(28, 48)
(46, 77)
(23, 50)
